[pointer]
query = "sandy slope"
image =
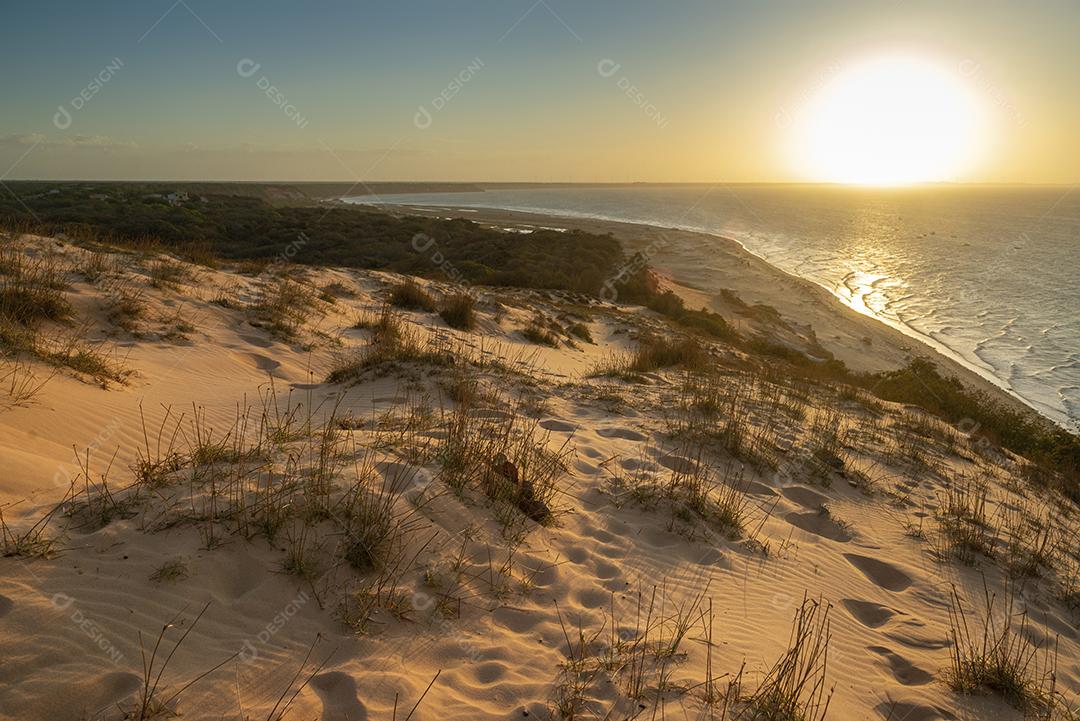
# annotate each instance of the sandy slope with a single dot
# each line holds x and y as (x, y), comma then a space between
(487, 604)
(698, 266)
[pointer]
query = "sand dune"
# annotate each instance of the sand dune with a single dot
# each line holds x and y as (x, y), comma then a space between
(685, 523)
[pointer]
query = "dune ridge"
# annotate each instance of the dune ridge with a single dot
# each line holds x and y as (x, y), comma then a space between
(492, 521)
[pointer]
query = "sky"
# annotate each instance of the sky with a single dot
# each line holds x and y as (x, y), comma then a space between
(507, 90)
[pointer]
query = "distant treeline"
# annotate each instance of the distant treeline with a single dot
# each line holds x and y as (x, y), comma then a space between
(251, 228)
(278, 193)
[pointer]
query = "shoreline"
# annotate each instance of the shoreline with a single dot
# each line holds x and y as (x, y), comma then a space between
(891, 346)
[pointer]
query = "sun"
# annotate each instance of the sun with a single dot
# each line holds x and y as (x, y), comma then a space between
(889, 120)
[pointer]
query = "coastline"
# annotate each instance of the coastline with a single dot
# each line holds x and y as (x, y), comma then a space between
(697, 277)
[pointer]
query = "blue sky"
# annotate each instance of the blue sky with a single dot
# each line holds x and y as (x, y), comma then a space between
(694, 94)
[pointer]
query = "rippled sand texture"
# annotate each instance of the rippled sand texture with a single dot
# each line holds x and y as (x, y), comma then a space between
(842, 501)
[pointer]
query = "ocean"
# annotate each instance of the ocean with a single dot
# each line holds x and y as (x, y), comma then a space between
(987, 274)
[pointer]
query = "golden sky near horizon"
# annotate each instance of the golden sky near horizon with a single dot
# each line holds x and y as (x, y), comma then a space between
(695, 91)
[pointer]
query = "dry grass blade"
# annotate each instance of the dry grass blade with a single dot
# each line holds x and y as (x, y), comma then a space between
(995, 656)
(278, 715)
(19, 382)
(419, 700)
(794, 688)
(150, 704)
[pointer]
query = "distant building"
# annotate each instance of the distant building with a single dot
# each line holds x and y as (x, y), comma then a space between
(176, 198)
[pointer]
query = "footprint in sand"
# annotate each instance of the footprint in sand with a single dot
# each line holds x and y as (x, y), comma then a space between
(107, 691)
(516, 619)
(606, 571)
(584, 467)
(6, 604)
(819, 524)
(622, 433)
(257, 341)
(679, 464)
(903, 670)
(337, 691)
(577, 554)
(909, 711)
(879, 572)
(636, 464)
(489, 673)
(868, 613)
(592, 598)
(760, 489)
(397, 475)
(556, 425)
(261, 362)
(915, 634)
(805, 497)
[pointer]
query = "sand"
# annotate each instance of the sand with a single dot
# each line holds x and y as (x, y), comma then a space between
(698, 266)
(491, 603)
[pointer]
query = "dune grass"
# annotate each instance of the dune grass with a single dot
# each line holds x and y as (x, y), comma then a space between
(459, 311)
(409, 295)
(993, 655)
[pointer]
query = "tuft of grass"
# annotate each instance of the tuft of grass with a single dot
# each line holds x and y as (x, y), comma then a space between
(31, 293)
(97, 265)
(581, 331)
(459, 311)
(300, 560)
(170, 572)
(392, 342)
(653, 353)
(19, 383)
(89, 359)
(535, 332)
(995, 657)
(285, 307)
(507, 459)
(411, 296)
(167, 273)
(963, 521)
(153, 700)
(794, 688)
(377, 524)
(37, 541)
(126, 307)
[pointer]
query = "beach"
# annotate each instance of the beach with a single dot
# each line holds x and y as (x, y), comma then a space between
(697, 265)
(298, 494)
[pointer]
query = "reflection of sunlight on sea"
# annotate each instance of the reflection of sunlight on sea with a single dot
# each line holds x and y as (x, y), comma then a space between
(867, 292)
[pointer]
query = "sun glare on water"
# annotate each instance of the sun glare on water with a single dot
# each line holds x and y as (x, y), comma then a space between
(891, 120)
